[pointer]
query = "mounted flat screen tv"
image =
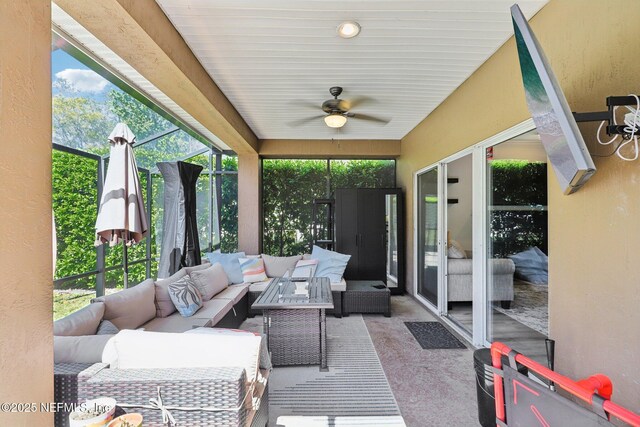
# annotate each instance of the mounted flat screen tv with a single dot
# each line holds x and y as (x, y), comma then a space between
(561, 138)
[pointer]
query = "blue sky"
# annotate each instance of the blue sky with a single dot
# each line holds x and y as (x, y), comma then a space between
(85, 81)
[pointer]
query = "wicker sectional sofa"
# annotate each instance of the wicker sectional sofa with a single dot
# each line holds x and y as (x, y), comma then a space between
(79, 375)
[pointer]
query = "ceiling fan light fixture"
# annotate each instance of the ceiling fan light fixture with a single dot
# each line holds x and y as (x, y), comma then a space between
(335, 120)
(348, 29)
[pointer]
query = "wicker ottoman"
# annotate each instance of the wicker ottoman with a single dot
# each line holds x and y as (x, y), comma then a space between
(366, 296)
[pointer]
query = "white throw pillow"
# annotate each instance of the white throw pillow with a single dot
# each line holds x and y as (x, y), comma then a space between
(131, 349)
(456, 250)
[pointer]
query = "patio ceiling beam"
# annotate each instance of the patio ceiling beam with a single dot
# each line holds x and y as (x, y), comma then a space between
(330, 148)
(140, 33)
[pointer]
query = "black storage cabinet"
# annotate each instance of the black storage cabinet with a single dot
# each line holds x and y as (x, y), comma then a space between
(362, 221)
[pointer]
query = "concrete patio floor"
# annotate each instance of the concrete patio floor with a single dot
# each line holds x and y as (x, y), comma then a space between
(432, 387)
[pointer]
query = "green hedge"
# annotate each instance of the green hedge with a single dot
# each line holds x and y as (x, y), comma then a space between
(288, 190)
(518, 183)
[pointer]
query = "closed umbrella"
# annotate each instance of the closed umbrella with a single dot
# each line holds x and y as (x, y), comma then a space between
(121, 216)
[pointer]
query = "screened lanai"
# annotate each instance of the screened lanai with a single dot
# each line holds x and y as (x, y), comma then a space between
(88, 100)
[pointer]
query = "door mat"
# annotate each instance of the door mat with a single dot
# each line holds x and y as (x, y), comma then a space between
(432, 335)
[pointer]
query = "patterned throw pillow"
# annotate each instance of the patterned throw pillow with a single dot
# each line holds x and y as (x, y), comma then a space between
(185, 296)
(253, 270)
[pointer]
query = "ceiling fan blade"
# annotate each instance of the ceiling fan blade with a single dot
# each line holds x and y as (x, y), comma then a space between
(300, 122)
(371, 118)
(358, 101)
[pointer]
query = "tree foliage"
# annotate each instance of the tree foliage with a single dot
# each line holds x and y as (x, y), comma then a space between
(85, 123)
(229, 207)
(289, 187)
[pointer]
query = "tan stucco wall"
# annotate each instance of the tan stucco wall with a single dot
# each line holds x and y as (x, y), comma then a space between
(249, 199)
(594, 292)
(26, 342)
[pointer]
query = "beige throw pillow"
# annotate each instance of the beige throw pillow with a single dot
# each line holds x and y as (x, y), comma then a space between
(205, 264)
(82, 322)
(210, 281)
(277, 266)
(456, 250)
(164, 305)
(131, 308)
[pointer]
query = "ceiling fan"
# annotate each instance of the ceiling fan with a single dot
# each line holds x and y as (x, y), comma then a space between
(336, 111)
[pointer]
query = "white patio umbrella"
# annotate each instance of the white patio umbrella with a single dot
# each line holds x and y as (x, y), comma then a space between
(121, 216)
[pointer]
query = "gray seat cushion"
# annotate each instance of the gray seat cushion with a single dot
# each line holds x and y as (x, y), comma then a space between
(340, 286)
(234, 292)
(79, 349)
(259, 286)
(214, 309)
(174, 323)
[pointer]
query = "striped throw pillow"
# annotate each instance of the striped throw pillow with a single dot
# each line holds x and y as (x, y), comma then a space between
(185, 296)
(252, 270)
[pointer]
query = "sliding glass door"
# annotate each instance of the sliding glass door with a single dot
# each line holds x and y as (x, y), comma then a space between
(428, 254)
(480, 226)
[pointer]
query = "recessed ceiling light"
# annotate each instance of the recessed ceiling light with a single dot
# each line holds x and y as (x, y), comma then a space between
(348, 29)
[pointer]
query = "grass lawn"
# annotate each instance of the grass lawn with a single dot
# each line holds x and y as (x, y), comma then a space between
(66, 302)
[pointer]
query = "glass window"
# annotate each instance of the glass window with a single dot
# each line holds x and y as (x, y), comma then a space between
(289, 187)
(175, 146)
(75, 201)
(363, 174)
(88, 102)
(229, 205)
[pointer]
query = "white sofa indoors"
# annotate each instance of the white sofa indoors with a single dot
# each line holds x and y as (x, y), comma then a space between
(460, 280)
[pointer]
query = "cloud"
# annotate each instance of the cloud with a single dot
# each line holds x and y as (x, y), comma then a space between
(83, 80)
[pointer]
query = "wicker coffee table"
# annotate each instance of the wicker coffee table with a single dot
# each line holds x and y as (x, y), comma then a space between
(295, 324)
(366, 296)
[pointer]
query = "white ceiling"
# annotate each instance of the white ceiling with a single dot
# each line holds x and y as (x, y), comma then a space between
(269, 57)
